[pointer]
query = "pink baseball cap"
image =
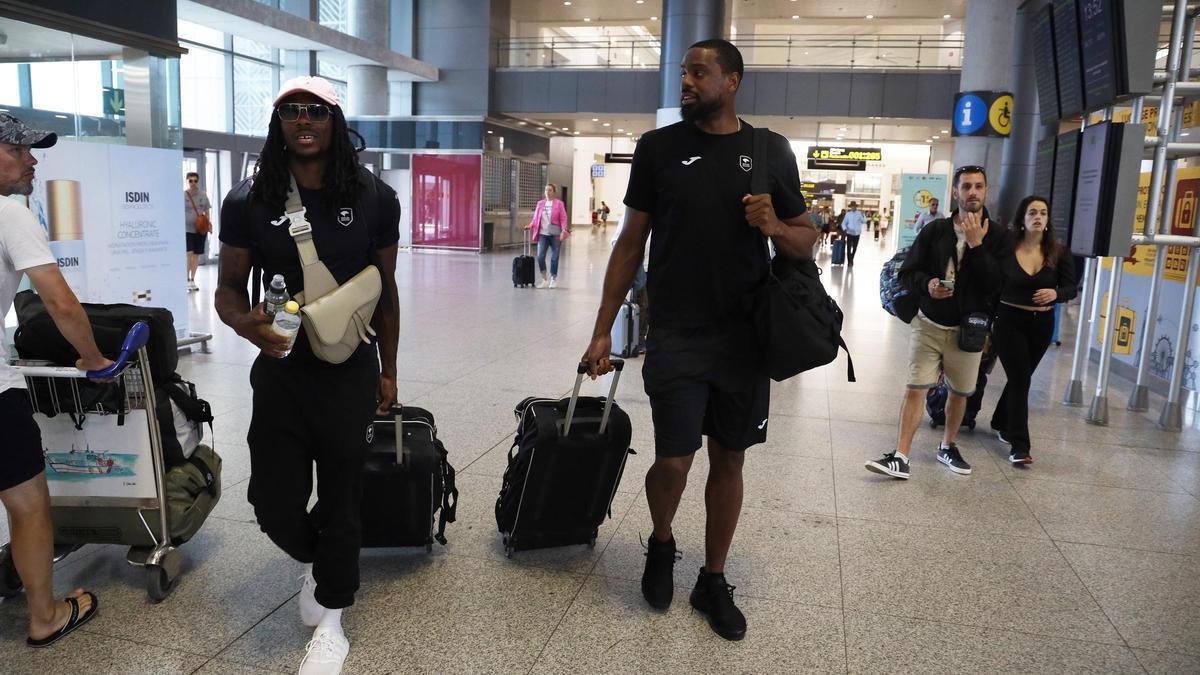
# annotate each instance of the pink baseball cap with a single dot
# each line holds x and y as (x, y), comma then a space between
(317, 86)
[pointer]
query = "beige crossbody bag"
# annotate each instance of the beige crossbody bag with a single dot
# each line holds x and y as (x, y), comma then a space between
(337, 319)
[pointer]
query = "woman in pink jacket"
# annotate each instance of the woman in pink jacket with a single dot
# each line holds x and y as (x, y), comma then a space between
(549, 229)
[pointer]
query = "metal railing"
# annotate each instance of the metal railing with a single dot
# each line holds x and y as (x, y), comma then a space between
(890, 52)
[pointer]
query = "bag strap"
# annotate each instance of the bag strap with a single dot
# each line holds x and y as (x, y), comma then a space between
(760, 170)
(317, 278)
(210, 480)
(449, 507)
(193, 201)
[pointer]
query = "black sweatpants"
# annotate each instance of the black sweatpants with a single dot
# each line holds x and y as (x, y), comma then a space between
(305, 413)
(852, 246)
(1021, 338)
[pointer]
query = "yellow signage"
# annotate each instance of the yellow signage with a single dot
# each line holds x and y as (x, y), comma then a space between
(1124, 330)
(1182, 216)
(1000, 114)
(834, 152)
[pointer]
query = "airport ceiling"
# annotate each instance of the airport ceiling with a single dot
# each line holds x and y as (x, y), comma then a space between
(571, 11)
(22, 42)
(856, 131)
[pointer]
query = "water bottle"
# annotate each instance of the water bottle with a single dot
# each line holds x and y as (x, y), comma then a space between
(276, 296)
(287, 323)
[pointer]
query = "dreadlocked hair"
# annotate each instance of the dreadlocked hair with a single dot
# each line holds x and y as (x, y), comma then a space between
(272, 174)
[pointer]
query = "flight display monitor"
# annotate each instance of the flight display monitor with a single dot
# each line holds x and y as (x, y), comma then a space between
(1044, 58)
(1062, 192)
(1043, 169)
(1098, 52)
(1067, 62)
(1110, 158)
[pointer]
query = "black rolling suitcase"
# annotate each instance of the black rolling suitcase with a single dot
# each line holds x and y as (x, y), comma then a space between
(563, 469)
(935, 398)
(408, 482)
(524, 270)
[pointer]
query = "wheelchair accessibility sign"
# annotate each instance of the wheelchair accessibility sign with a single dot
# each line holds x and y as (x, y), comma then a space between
(983, 113)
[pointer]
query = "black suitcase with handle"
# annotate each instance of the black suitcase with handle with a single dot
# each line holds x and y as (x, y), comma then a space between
(408, 482)
(563, 469)
(524, 272)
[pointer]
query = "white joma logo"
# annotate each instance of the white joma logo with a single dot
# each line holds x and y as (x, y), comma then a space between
(763, 425)
(281, 220)
(690, 160)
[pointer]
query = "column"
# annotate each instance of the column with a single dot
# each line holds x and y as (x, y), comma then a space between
(987, 66)
(1020, 149)
(685, 22)
(367, 86)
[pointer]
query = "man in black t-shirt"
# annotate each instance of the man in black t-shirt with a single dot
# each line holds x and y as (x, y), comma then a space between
(306, 410)
(704, 374)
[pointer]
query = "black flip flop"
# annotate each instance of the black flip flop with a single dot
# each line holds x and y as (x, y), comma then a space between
(74, 622)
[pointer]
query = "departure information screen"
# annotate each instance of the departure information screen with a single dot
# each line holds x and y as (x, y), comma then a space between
(1066, 52)
(1047, 75)
(1097, 52)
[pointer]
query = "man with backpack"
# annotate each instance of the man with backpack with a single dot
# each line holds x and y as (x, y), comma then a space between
(25, 251)
(308, 410)
(690, 184)
(953, 268)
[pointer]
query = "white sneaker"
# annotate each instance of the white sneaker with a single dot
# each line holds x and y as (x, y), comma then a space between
(326, 652)
(553, 282)
(542, 283)
(310, 609)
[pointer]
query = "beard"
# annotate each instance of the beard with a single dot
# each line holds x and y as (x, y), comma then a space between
(699, 111)
(18, 188)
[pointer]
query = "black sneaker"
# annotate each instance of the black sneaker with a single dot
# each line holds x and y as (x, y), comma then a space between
(890, 464)
(1019, 456)
(658, 579)
(952, 458)
(1000, 435)
(713, 597)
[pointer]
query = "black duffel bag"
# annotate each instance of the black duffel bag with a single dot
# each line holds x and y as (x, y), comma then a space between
(799, 327)
(38, 338)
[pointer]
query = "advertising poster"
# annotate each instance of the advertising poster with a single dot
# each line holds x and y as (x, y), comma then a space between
(114, 216)
(103, 459)
(916, 191)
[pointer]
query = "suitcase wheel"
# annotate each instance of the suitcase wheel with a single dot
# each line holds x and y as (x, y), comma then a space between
(429, 547)
(932, 424)
(508, 549)
(970, 425)
(592, 540)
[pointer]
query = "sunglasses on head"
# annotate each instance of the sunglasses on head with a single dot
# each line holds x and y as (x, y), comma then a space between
(971, 168)
(316, 112)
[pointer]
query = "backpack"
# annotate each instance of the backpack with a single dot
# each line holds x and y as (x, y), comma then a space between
(895, 297)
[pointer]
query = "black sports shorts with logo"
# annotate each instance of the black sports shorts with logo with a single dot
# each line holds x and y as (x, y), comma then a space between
(706, 381)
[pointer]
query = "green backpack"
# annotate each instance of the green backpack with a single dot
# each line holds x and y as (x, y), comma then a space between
(193, 490)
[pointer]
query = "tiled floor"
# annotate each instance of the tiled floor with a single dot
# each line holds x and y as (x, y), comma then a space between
(1086, 562)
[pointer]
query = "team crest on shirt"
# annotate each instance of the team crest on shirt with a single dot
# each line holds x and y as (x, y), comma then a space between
(746, 163)
(370, 434)
(345, 216)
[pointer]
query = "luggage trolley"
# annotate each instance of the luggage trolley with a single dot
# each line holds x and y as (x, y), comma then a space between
(138, 521)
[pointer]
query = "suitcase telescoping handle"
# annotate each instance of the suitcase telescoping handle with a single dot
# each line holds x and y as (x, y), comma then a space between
(618, 365)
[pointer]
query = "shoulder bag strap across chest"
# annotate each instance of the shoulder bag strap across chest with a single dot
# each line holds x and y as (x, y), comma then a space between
(317, 278)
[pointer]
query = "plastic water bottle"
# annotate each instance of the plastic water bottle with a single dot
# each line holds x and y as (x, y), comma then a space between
(287, 323)
(276, 296)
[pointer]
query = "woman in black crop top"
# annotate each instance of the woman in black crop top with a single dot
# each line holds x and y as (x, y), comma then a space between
(1038, 273)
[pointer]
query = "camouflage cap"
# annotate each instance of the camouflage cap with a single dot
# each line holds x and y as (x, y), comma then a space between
(13, 131)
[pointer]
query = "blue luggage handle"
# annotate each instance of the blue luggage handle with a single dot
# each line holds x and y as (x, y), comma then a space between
(138, 336)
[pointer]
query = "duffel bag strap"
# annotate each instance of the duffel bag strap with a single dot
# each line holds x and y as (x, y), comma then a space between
(210, 480)
(449, 510)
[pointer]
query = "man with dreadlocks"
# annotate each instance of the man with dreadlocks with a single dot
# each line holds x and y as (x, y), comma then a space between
(306, 410)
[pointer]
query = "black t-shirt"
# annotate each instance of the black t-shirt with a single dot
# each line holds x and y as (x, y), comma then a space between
(705, 259)
(343, 235)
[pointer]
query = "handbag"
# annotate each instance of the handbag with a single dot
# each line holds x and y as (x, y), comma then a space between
(336, 318)
(797, 323)
(203, 224)
(973, 332)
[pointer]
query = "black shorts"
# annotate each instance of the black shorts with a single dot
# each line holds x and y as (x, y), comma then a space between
(21, 452)
(195, 242)
(706, 381)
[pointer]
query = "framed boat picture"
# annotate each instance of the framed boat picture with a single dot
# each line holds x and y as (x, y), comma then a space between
(98, 455)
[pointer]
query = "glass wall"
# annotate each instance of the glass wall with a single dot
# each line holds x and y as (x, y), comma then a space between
(76, 87)
(227, 81)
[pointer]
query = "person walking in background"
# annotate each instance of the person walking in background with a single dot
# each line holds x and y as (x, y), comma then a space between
(604, 211)
(195, 207)
(852, 227)
(954, 269)
(549, 229)
(25, 251)
(1038, 274)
